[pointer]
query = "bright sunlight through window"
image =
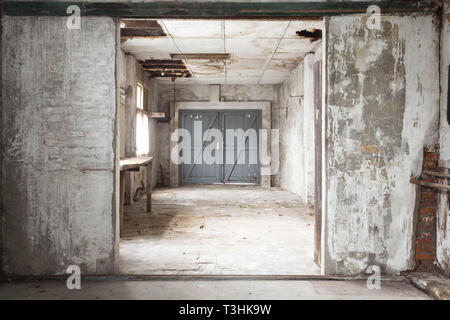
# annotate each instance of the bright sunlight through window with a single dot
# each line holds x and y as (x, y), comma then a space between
(142, 132)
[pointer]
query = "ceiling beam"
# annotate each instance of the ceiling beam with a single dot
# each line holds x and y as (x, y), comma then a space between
(201, 56)
(222, 10)
(144, 32)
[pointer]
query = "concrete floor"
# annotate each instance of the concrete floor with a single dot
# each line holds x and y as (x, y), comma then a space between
(219, 229)
(214, 290)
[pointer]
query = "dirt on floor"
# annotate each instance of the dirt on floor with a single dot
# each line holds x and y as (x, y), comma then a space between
(219, 229)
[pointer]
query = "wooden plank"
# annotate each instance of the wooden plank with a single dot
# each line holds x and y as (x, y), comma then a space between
(141, 33)
(436, 173)
(430, 184)
(157, 115)
(184, 9)
(132, 163)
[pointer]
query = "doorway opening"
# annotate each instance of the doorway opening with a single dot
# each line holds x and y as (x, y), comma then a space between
(233, 112)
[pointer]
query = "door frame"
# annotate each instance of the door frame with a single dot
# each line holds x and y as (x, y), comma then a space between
(266, 119)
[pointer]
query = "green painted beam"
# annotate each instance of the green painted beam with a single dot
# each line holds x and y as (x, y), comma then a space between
(229, 10)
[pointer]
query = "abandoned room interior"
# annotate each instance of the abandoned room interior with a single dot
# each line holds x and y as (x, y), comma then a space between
(328, 134)
(230, 218)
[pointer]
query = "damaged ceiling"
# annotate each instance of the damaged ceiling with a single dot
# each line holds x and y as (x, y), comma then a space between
(166, 68)
(260, 52)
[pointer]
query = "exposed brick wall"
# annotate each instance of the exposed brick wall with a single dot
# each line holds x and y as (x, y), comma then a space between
(425, 253)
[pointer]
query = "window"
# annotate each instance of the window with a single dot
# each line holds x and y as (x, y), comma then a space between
(140, 96)
(142, 132)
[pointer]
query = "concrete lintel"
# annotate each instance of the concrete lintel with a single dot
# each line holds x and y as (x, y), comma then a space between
(184, 9)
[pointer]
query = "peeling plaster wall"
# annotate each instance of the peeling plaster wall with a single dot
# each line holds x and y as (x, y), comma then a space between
(58, 145)
(184, 92)
(443, 213)
(382, 108)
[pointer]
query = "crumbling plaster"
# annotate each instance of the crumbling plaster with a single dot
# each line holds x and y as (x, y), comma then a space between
(443, 212)
(382, 108)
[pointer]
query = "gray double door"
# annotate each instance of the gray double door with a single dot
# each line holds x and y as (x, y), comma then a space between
(226, 138)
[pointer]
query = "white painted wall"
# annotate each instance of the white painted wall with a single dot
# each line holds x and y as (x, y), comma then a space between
(291, 125)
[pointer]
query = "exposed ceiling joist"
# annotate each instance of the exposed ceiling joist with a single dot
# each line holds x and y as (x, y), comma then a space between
(166, 68)
(132, 28)
(201, 56)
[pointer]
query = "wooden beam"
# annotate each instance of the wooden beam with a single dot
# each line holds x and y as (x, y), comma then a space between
(144, 32)
(437, 174)
(157, 115)
(133, 163)
(236, 10)
(431, 184)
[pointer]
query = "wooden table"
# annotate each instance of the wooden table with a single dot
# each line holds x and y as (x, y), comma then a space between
(134, 164)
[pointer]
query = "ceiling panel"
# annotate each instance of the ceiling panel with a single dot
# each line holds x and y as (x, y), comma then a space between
(282, 65)
(245, 29)
(296, 46)
(147, 48)
(194, 28)
(251, 73)
(206, 68)
(200, 45)
(246, 64)
(251, 48)
(261, 52)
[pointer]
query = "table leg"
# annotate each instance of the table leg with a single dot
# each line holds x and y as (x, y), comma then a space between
(122, 191)
(149, 187)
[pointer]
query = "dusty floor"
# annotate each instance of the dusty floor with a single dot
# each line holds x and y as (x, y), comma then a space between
(221, 290)
(220, 229)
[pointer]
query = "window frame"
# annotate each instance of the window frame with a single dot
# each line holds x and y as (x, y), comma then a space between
(142, 93)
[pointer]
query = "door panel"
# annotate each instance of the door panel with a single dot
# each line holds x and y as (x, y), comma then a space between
(234, 171)
(242, 164)
(198, 171)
